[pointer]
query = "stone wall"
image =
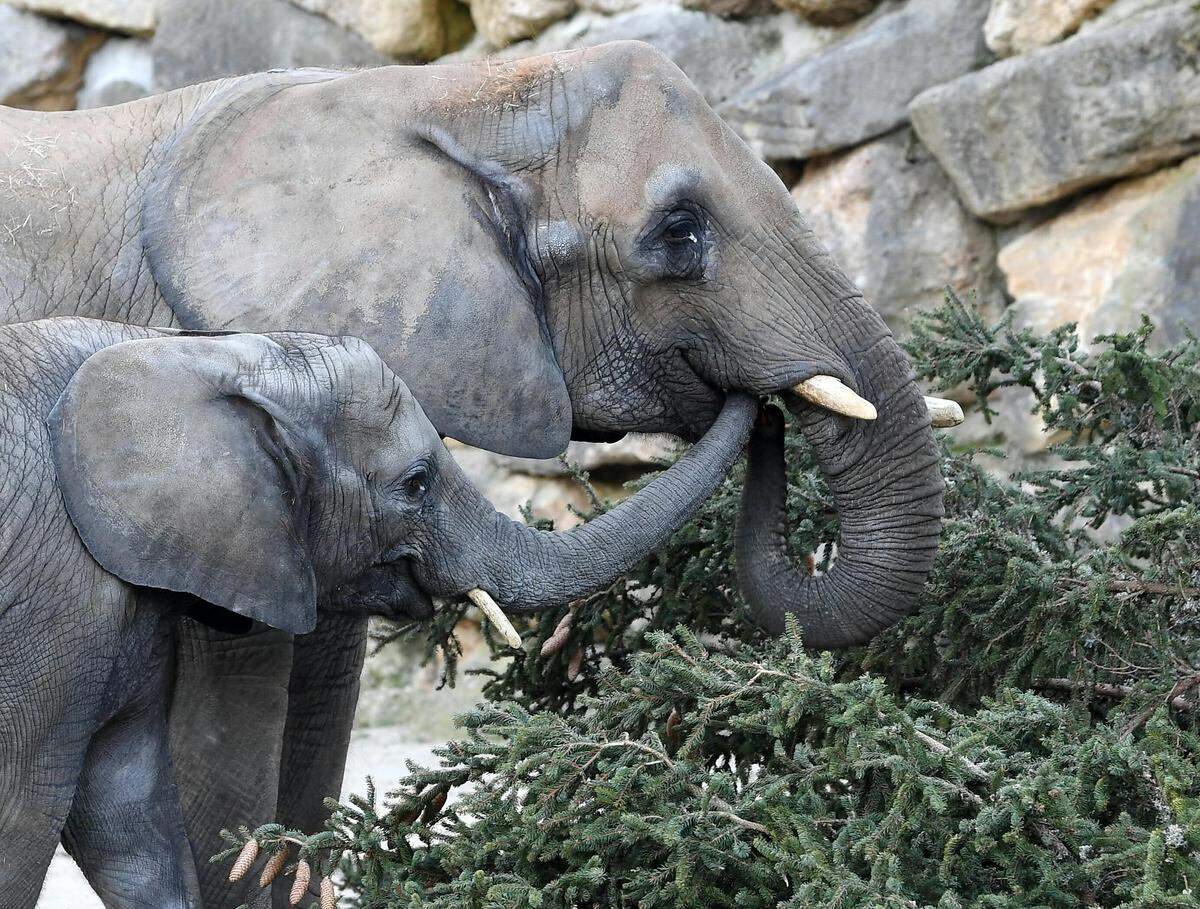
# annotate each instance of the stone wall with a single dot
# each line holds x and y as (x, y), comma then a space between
(1035, 153)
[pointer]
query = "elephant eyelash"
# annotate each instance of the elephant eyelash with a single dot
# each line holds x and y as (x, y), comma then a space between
(402, 486)
(678, 242)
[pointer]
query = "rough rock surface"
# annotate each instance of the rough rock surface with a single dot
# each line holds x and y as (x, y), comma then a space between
(511, 483)
(411, 29)
(730, 7)
(859, 88)
(718, 55)
(1120, 10)
(1019, 26)
(612, 7)
(133, 16)
(501, 22)
(828, 12)
(121, 70)
(41, 61)
(1132, 249)
(1036, 128)
(890, 217)
(199, 40)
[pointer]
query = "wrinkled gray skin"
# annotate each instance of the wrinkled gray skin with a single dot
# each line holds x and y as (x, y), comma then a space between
(565, 246)
(236, 478)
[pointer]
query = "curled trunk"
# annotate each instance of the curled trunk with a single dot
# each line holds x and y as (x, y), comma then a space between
(887, 487)
(527, 569)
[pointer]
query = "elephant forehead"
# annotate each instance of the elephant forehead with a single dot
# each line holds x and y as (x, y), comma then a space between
(640, 153)
(498, 86)
(614, 152)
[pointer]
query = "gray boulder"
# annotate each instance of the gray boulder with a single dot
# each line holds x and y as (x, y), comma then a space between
(198, 40)
(828, 12)
(133, 16)
(718, 55)
(860, 88)
(408, 29)
(41, 61)
(1019, 26)
(1039, 127)
(122, 70)
(892, 220)
(1119, 11)
(501, 22)
(1115, 255)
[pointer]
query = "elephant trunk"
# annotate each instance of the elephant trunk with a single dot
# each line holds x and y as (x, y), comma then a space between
(527, 569)
(887, 487)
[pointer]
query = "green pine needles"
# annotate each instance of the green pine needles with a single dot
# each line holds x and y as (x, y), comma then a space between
(1028, 738)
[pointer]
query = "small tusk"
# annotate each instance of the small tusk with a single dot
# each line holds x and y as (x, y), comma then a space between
(831, 394)
(943, 412)
(495, 614)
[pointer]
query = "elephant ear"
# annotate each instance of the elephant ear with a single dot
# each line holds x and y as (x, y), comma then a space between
(179, 475)
(336, 204)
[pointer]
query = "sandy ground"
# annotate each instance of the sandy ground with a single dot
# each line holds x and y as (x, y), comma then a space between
(380, 752)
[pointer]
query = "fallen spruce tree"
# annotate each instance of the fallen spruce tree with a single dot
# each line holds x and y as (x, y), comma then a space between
(1028, 738)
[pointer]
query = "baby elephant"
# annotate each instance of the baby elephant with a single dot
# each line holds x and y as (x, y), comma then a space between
(236, 478)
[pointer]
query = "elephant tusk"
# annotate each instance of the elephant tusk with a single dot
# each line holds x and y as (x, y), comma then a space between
(943, 413)
(831, 394)
(495, 614)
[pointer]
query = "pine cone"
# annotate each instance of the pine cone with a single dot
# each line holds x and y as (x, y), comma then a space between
(328, 897)
(434, 807)
(411, 815)
(300, 887)
(575, 664)
(673, 721)
(244, 860)
(274, 865)
(555, 642)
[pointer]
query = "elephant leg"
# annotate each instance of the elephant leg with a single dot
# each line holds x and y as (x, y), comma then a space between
(125, 828)
(50, 691)
(30, 827)
(36, 789)
(227, 720)
(322, 695)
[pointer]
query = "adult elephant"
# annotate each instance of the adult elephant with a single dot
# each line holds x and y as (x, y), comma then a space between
(569, 246)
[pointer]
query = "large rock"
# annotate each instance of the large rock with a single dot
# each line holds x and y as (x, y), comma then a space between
(730, 7)
(1132, 249)
(860, 87)
(612, 7)
(41, 61)
(132, 16)
(891, 219)
(828, 12)
(501, 22)
(718, 55)
(1036, 128)
(199, 40)
(410, 29)
(633, 454)
(547, 486)
(1120, 10)
(1018, 26)
(122, 70)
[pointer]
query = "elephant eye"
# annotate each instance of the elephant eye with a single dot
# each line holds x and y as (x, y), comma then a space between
(680, 233)
(415, 483)
(682, 246)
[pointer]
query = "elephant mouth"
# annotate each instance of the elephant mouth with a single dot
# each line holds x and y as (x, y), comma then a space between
(388, 589)
(812, 384)
(700, 402)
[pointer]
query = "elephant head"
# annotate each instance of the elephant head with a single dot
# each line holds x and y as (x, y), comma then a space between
(568, 246)
(268, 474)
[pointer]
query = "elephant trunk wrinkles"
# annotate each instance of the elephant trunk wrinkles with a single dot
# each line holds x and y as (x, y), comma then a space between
(885, 480)
(528, 569)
